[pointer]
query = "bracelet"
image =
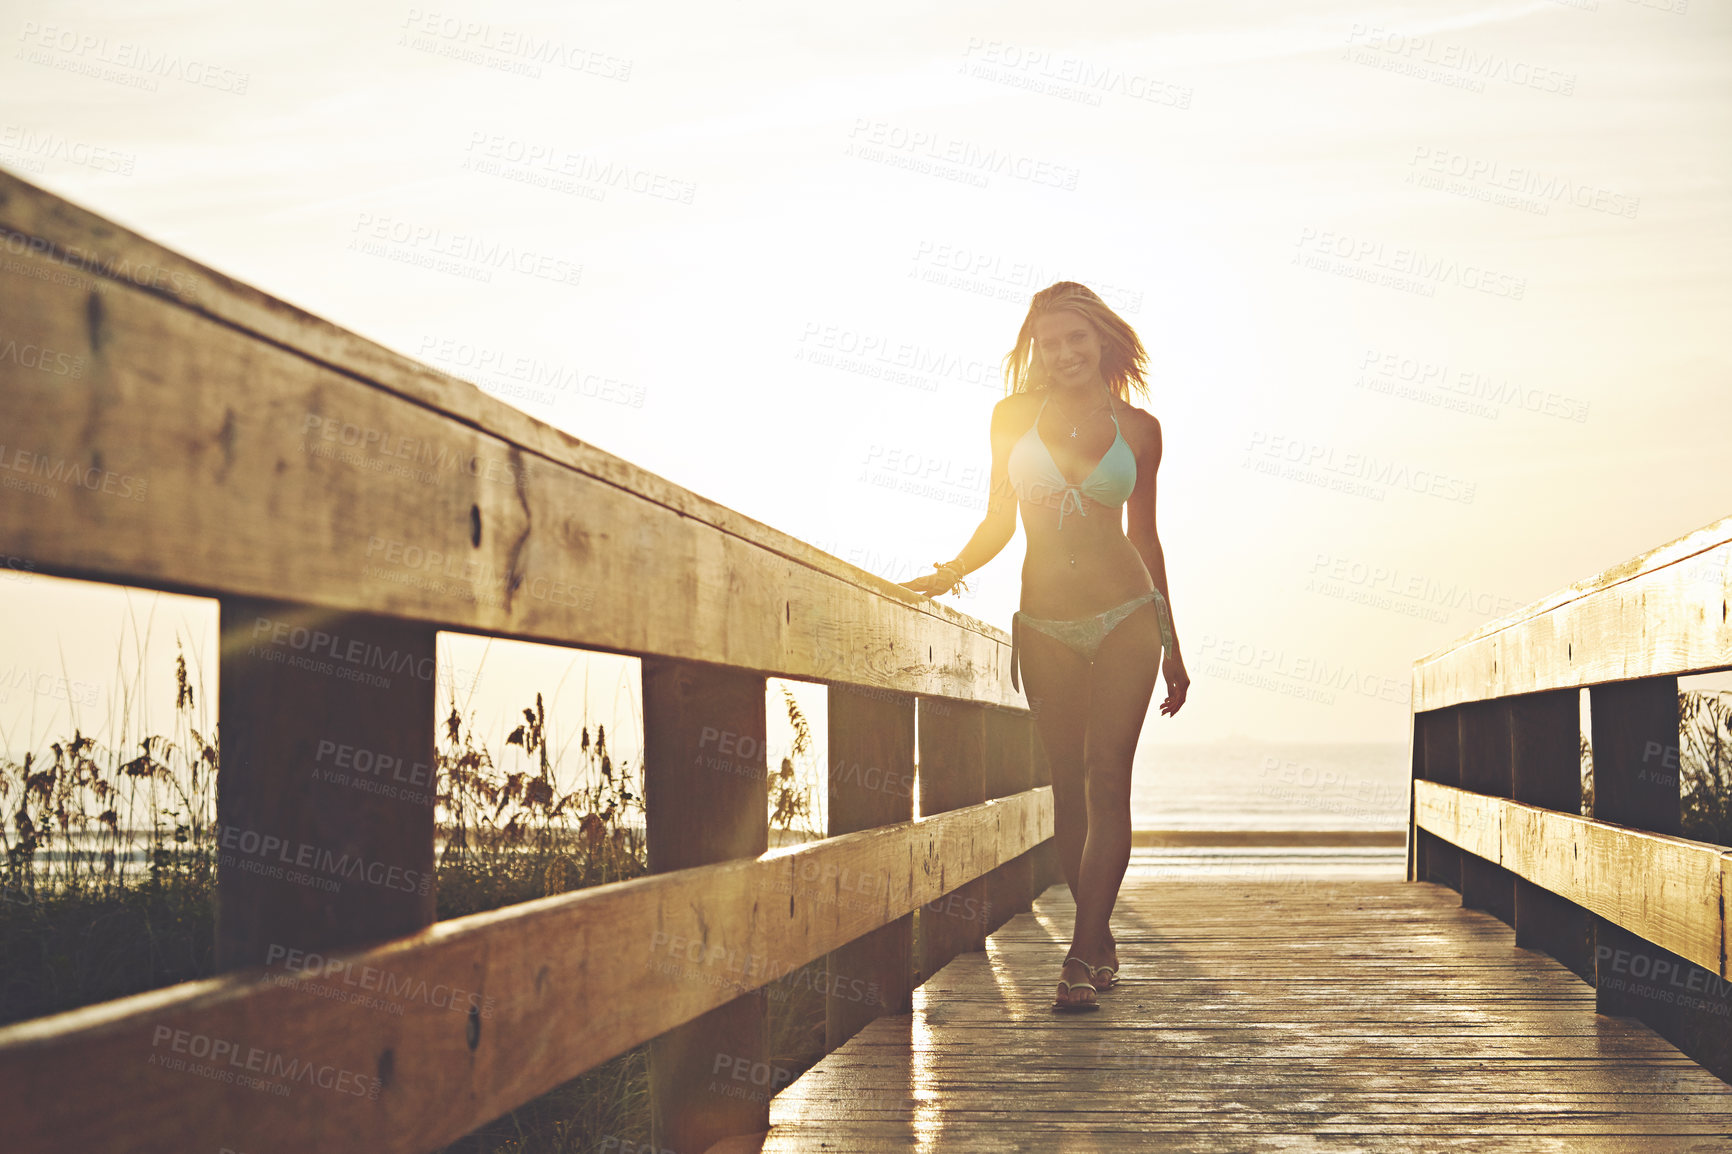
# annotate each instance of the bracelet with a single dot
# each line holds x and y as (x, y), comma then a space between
(953, 567)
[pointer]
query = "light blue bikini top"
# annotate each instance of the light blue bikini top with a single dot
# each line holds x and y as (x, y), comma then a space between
(1035, 475)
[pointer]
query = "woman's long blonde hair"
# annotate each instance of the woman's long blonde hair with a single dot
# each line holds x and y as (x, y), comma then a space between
(1123, 358)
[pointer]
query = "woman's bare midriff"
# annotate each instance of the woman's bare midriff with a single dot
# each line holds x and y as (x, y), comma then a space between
(1108, 571)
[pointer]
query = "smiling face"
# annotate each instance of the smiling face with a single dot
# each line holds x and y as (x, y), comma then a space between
(1069, 348)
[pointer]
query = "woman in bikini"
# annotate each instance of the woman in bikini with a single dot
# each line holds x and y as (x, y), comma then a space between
(1095, 622)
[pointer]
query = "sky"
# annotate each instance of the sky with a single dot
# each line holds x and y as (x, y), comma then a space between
(1435, 295)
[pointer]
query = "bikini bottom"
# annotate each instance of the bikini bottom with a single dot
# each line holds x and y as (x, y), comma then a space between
(1085, 634)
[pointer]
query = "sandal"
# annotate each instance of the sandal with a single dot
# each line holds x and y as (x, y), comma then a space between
(1088, 1003)
(1112, 973)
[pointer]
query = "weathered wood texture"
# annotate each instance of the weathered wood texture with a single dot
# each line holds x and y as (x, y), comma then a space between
(1009, 771)
(295, 461)
(1663, 613)
(496, 1008)
(1546, 771)
(1663, 888)
(951, 738)
(871, 783)
(325, 800)
(706, 800)
(1260, 1016)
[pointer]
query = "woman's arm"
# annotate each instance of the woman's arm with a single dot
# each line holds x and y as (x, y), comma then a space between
(1141, 530)
(1147, 540)
(999, 525)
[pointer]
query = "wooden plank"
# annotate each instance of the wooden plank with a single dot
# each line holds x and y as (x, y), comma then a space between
(1664, 889)
(871, 783)
(1048, 871)
(1244, 838)
(1260, 1017)
(496, 1008)
(1545, 732)
(1661, 614)
(295, 462)
(706, 799)
(1009, 770)
(1486, 769)
(951, 739)
(325, 799)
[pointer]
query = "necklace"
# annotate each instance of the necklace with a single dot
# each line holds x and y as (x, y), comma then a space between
(1076, 423)
(1075, 430)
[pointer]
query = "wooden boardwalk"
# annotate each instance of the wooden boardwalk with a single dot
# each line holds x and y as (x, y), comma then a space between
(1260, 1014)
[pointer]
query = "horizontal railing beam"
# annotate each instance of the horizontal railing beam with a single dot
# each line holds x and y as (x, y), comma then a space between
(1663, 614)
(1667, 890)
(414, 1043)
(216, 441)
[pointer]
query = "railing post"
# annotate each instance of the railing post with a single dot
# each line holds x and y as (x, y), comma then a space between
(1485, 768)
(1546, 770)
(952, 742)
(1009, 770)
(1636, 761)
(325, 795)
(871, 784)
(1437, 738)
(706, 799)
(1630, 718)
(1048, 870)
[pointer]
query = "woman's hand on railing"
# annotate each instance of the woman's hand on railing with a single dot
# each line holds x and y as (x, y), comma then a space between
(932, 585)
(1178, 682)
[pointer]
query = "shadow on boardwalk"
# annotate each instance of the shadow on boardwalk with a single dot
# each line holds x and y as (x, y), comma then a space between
(1260, 1014)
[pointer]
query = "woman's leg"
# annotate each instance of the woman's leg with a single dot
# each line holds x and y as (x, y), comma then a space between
(1055, 681)
(1122, 683)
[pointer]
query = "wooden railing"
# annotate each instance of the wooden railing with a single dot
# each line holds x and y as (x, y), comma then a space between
(170, 428)
(1619, 896)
